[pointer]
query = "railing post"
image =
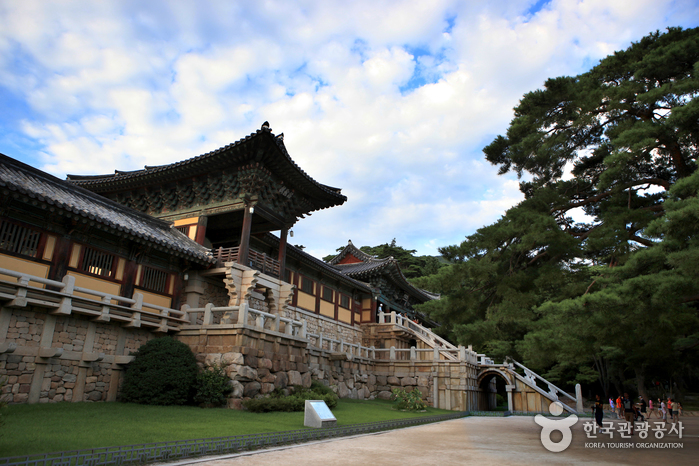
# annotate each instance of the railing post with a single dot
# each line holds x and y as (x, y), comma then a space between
(191, 316)
(303, 329)
(393, 317)
(288, 328)
(342, 347)
(276, 322)
(435, 354)
(320, 340)
(392, 353)
(208, 315)
(243, 313)
(66, 305)
(136, 307)
(260, 321)
(462, 353)
(382, 318)
(413, 353)
(373, 352)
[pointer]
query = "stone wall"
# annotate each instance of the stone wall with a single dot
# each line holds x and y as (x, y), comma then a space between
(52, 358)
(258, 361)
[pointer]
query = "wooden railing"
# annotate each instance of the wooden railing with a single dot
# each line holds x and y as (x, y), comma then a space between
(256, 260)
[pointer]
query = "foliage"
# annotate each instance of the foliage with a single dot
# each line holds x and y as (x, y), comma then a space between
(294, 401)
(163, 372)
(212, 387)
(594, 275)
(411, 401)
(3, 400)
(412, 266)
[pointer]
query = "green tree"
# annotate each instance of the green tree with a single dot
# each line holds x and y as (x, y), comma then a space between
(580, 294)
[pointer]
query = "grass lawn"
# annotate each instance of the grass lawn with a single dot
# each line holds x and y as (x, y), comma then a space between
(44, 428)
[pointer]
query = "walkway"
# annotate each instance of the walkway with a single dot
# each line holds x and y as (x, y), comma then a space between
(473, 440)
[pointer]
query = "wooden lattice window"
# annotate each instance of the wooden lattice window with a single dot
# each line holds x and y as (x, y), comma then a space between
(184, 229)
(154, 279)
(18, 239)
(327, 294)
(97, 262)
(306, 285)
(344, 301)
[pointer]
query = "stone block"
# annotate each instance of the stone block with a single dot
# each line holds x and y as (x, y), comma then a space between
(91, 379)
(235, 403)
(251, 389)
(381, 380)
(282, 380)
(265, 363)
(384, 395)
(301, 367)
(295, 378)
(232, 358)
(393, 381)
(350, 383)
(212, 359)
(278, 366)
(238, 389)
(25, 378)
(423, 381)
(342, 390)
(251, 360)
(266, 388)
(306, 379)
(71, 378)
(20, 398)
(268, 378)
(407, 381)
(94, 396)
(246, 374)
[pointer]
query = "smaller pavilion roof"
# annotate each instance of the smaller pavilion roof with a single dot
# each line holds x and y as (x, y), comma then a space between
(355, 263)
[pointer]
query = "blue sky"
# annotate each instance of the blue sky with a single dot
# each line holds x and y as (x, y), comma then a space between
(390, 101)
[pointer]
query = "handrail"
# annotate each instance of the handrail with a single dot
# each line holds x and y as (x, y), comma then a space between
(257, 260)
(532, 376)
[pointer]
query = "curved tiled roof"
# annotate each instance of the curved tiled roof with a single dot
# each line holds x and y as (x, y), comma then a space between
(17, 177)
(242, 151)
(371, 266)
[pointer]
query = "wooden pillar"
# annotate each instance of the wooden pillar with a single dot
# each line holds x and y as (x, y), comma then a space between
(282, 253)
(244, 250)
(201, 230)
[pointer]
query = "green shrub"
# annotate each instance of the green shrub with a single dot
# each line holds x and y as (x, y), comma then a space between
(212, 387)
(411, 401)
(296, 401)
(163, 372)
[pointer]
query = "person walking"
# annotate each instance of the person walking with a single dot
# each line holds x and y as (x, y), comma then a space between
(675, 411)
(611, 405)
(619, 408)
(643, 409)
(598, 410)
(663, 410)
(650, 408)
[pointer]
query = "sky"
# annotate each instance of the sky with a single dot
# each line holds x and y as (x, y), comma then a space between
(391, 101)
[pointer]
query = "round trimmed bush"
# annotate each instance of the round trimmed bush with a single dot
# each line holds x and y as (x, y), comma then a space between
(163, 372)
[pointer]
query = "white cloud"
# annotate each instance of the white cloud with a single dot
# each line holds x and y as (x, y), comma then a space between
(118, 85)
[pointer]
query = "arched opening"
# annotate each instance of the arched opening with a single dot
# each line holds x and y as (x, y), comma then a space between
(492, 387)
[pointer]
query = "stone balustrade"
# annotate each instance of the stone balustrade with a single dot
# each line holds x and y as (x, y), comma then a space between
(64, 298)
(245, 316)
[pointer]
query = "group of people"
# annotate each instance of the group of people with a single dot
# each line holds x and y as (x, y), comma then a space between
(626, 409)
(673, 409)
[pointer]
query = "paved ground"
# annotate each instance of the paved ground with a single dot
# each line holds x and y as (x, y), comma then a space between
(475, 440)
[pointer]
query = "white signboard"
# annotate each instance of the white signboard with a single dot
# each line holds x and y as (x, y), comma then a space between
(318, 414)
